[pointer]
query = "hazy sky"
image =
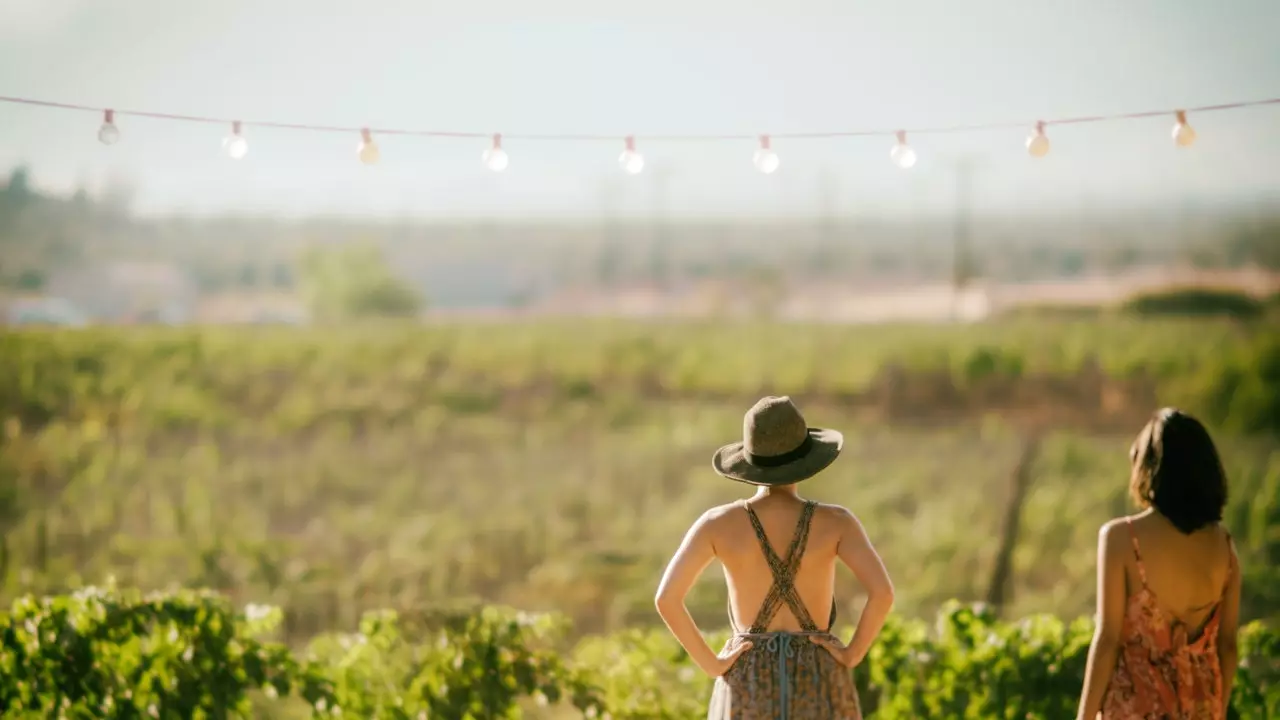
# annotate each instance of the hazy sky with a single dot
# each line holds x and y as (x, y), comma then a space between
(698, 66)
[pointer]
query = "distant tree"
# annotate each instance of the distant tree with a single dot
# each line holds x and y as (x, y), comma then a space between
(247, 275)
(118, 194)
(1196, 301)
(30, 280)
(1071, 263)
(1120, 256)
(609, 263)
(1258, 245)
(766, 289)
(19, 185)
(354, 281)
(282, 276)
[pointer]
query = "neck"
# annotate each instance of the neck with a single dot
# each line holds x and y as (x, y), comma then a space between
(776, 490)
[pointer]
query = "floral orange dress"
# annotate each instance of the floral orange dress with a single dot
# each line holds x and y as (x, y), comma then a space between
(1165, 671)
(785, 675)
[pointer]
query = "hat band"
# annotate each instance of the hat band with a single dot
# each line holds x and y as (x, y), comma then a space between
(771, 461)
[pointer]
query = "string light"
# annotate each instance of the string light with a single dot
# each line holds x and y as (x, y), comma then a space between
(901, 154)
(234, 145)
(495, 158)
(368, 149)
(108, 134)
(765, 159)
(1038, 142)
(1183, 134)
(631, 160)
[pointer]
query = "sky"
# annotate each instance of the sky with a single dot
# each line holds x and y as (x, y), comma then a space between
(660, 67)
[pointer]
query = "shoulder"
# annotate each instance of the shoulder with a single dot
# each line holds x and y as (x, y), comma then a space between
(717, 515)
(1114, 530)
(836, 515)
(1116, 535)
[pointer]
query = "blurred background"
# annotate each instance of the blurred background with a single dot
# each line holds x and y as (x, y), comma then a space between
(333, 387)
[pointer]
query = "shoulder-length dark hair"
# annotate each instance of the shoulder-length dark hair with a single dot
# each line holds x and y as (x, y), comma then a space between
(1176, 470)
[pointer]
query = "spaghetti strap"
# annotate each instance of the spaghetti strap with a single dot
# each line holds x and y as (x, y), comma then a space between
(1137, 552)
(1232, 565)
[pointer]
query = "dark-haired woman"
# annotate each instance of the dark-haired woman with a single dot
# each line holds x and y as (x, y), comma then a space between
(1168, 586)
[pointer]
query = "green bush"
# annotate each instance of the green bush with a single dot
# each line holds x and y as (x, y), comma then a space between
(355, 282)
(122, 655)
(1194, 301)
(470, 666)
(1243, 391)
(103, 653)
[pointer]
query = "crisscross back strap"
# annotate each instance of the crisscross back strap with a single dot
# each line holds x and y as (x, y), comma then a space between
(783, 589)
(1137, 551)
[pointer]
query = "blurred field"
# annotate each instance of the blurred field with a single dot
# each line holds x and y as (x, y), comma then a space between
(555, 465)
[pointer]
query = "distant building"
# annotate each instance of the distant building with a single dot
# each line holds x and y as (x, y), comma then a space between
(44, 311)
(128, 292)
(251, 308)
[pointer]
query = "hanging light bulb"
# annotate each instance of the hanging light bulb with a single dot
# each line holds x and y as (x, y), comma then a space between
(108, 134)
(902, 155)
(631, 160)
(1183, 134)
(234, 145)
(495, 158)
(368, 149)
(765, 159)
(1038, 142)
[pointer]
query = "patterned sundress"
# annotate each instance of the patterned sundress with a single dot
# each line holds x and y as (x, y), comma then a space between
(1162, 673)
(784, 676)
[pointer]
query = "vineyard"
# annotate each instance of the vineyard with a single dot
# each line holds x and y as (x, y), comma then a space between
(350, 497)
(104, 653)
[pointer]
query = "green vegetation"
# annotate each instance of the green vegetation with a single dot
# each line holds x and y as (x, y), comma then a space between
(120, 655)
(1195, 301)
(341, 474)
(354, 282)
(332, 472)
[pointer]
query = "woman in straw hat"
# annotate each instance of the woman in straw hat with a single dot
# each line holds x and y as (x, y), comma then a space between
(779, 553)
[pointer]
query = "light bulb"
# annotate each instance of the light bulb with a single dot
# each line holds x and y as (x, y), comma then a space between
(108, 134)
(765, 159)
(631, 160)
(1038, 142)
(368, 149)
(1183, 134)
(234, 145)
(495, 158)
(902, 155)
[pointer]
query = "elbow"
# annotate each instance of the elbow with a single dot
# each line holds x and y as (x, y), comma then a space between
(882, 595)
(665, 603)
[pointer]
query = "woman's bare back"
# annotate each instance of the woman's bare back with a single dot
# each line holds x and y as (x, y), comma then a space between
(748, 573)
(1185, 573)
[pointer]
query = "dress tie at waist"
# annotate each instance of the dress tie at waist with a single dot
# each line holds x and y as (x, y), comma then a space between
(779, 643)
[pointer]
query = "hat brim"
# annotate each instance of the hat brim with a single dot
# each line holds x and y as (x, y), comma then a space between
(825, 446)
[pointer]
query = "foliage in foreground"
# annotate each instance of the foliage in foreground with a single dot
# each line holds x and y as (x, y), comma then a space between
(190, 654)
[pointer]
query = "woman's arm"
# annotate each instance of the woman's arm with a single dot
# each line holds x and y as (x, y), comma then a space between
(857, 553)
(693, 556)
(1229, 622)
(1103, 653)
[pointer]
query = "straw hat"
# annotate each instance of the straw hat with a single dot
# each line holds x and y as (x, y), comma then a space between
(778, 447)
